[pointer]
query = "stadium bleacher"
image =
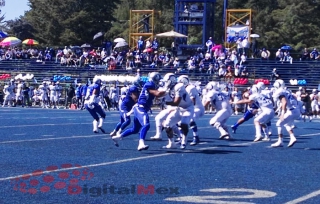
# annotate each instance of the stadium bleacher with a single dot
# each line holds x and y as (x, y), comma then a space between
(258, 69)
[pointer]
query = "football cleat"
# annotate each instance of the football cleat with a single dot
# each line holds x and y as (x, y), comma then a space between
(195, 141)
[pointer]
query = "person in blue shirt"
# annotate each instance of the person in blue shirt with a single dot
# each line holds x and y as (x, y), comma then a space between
(140, 110)
(140, 44)
(92, 105)
(83, 91)
(78, 95)
(155, 44)
(126, 105)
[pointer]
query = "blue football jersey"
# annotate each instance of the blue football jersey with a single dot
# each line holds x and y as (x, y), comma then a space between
(146, 99)
(128, 102)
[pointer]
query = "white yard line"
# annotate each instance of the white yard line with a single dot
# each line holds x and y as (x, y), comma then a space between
(52, 138)
(108, 163)
(304, 198)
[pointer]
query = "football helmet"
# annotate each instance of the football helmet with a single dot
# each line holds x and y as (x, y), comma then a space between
(212, 86)
(255, 89)
(155, 77)
(97, 80)
(183, 79)
(260, 85)
(169, 80)
(279, 83)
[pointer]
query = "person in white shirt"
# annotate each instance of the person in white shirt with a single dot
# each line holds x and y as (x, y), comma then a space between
(8, 90)
(53, 94)
(265, 115)
(222, 105)
(182, 110)
(199, 110)
(19, 96)
(314, 97)
(44, 94)
(236, 96)
(289, 113)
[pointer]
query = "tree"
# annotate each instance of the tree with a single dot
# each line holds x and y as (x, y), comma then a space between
(64, 22)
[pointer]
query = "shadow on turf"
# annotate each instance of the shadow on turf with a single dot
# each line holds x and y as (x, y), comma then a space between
(207, 151)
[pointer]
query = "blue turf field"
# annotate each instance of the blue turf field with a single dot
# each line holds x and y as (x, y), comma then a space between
(52, 156)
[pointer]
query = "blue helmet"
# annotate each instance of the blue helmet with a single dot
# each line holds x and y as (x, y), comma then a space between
(97, 81)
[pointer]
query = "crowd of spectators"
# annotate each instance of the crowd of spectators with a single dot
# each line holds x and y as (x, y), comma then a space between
(212, 59)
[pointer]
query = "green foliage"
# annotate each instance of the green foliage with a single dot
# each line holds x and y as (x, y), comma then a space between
(64, 22)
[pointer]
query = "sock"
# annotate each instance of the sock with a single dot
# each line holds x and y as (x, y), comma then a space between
(195, 131)
(158, 131)
(258, 129)
(236, 125)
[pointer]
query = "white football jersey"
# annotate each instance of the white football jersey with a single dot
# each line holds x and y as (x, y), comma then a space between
(194, 94)
(263, 101)
(291, 100)
(180, 91)
(314, 97)
(19, 88)
(7, 90)
(53, 90)
(43, 89)
(267, 92)
(219, 100)
(236, 95)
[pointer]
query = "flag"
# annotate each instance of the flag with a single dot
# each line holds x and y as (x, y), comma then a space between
(97, 35)
(35, 81)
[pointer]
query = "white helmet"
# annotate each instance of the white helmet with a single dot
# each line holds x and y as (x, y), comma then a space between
(279, 83)
(170, 79)
(212, 86)
(183, 79)
(155, 77)
(260, 85)
(255, 89)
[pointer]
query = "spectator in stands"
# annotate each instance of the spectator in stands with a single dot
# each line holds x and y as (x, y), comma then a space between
(229, 75)
(63, 60)
(112, 64)
(314, 55)
(222, 71)
(244, 72)
(155, 44)
(239, 46)
(233, 58)
(137, 61)
(48, 56)
(245, 45)
(176, 63)
(305, 55)
(140, 44)
(265, 54)
(148, 44)
(243, 59)
(9, 54)
(191, 64)
(279, 55)
(65, 50)
(130, 61)
(237, 71)
(209, 45)
(274, 75)
(254, 48)
(287, 57)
